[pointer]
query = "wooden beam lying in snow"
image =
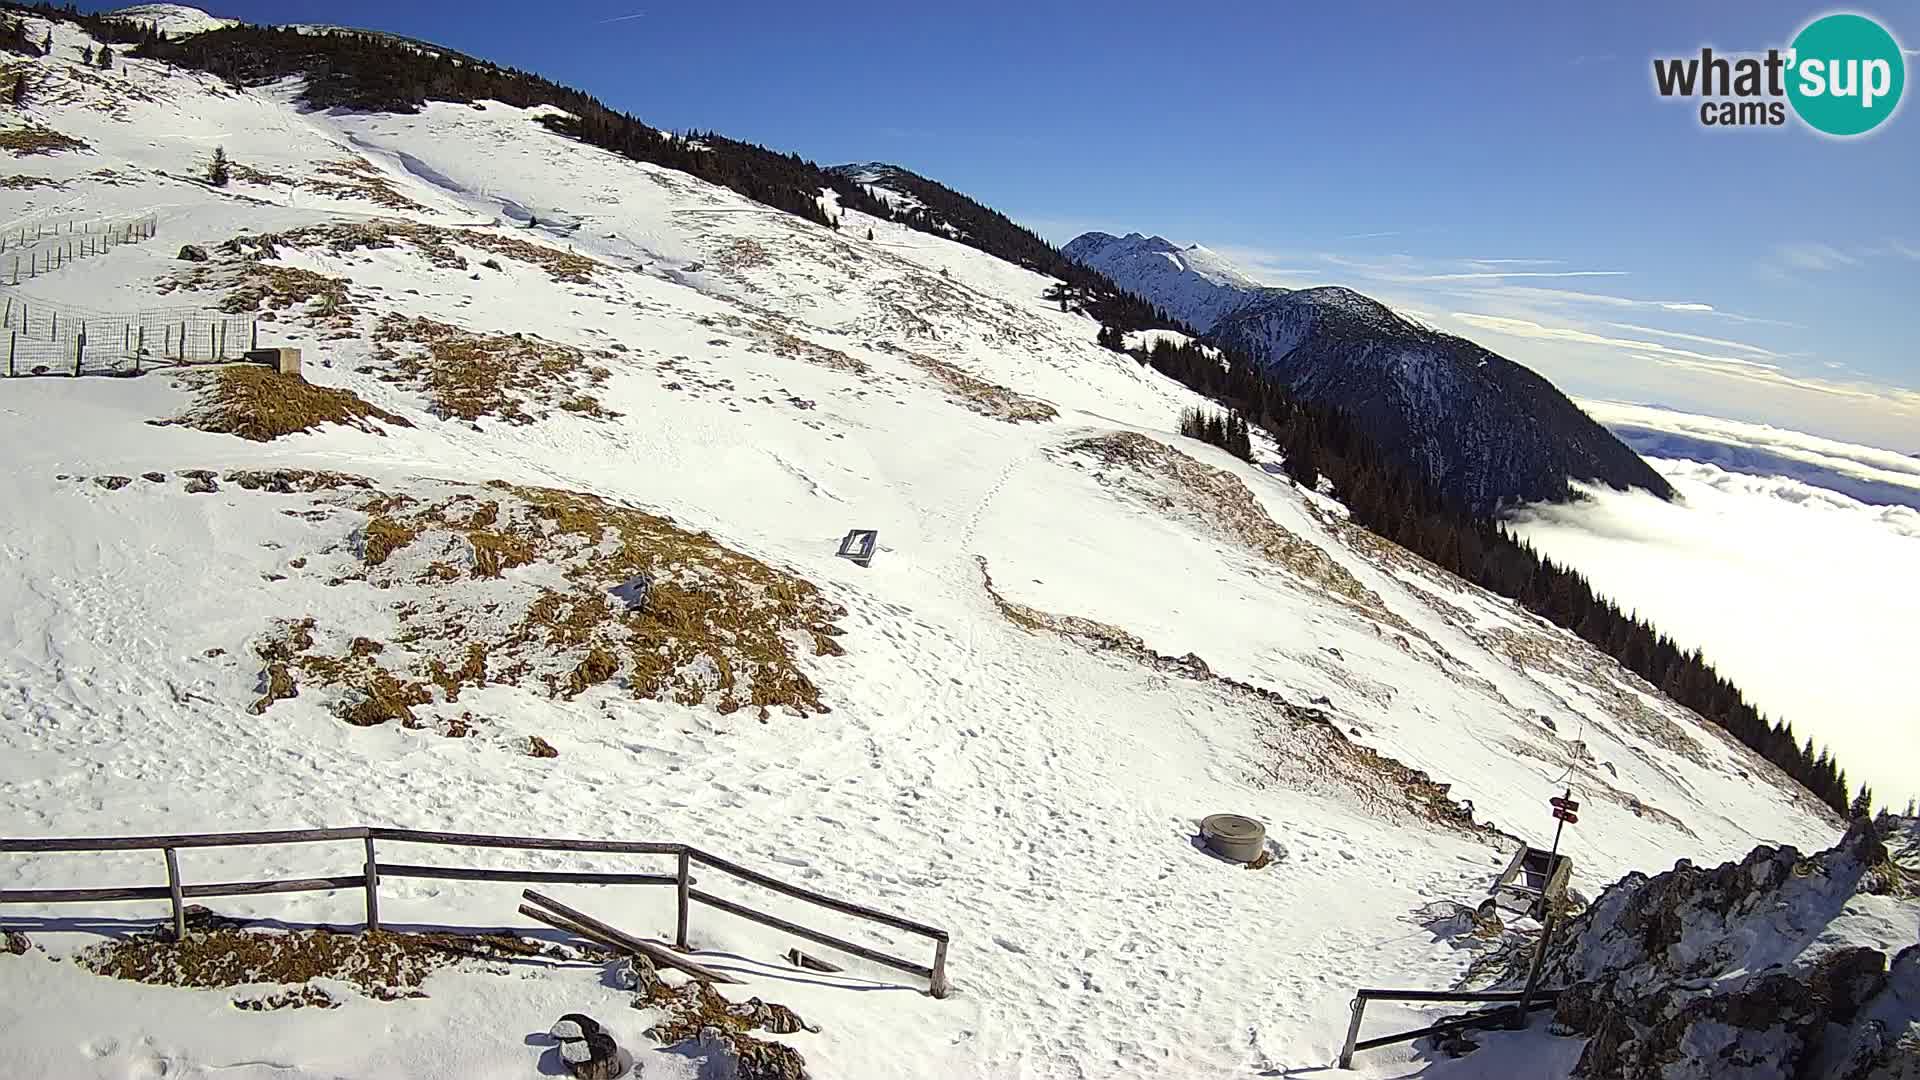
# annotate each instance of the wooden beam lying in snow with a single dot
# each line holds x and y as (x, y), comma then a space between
(623, 941)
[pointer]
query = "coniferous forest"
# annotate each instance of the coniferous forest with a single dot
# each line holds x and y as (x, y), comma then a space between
(380, 72)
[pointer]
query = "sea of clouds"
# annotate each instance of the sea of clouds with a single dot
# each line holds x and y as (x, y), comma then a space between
(1791, 561)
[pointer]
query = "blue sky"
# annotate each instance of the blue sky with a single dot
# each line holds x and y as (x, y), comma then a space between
(1444, 158)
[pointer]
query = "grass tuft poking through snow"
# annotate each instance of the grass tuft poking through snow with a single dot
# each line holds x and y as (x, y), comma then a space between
(258, 403)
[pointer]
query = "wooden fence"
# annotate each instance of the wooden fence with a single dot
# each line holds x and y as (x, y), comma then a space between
(177, 891)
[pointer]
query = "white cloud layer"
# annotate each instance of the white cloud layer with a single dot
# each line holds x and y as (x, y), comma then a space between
(1805, 597)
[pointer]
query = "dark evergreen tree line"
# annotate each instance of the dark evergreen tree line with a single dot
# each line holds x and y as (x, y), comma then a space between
(1319, 441)
(1228, 431)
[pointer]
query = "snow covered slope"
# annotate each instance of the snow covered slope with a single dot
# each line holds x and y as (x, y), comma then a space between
(1080, 635)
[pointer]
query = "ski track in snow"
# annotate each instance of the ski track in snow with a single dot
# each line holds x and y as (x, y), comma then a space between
(1037, 799)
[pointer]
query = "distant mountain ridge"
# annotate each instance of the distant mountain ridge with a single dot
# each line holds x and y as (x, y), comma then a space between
(1485, 431)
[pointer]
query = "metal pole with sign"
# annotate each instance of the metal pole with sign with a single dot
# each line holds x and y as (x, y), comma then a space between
(1565, 813)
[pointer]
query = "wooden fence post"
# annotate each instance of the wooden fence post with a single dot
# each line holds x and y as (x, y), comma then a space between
(13, 341)
(139, 348)
(685, 880)
(938, 986)
(79, 346)
(373, 889)
(173, 892)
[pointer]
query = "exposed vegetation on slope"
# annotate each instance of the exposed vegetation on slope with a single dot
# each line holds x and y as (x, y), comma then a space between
(381, 964)
(258, 403)
(515, 377)
(552, 589)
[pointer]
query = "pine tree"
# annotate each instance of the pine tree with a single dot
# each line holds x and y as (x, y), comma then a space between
(86, 55)
(218, 173)
(1862, 804)
(106, 56)
(869, 232)
(46, 47)
(20, 91)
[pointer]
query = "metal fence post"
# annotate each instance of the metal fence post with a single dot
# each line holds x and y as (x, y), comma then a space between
(685, 880)
(79, 346)
(173, 893)
(139, 348)
(13, 342)
(373, 889)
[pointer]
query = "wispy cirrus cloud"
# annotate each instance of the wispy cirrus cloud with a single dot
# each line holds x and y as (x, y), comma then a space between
(1484, 275)
(1698, 339)
(1820, 258)
(1526, 328)
(620, 18)
(1816, 257)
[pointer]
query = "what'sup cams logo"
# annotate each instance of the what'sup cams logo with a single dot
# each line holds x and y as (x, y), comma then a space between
(1842, 76)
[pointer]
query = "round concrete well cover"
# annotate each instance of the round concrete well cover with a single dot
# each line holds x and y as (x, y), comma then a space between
(1233, 836)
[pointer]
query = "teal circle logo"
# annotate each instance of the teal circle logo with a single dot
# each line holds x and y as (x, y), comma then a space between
(1846, 74)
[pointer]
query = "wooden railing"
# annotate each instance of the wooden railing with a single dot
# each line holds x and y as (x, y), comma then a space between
(177, 892)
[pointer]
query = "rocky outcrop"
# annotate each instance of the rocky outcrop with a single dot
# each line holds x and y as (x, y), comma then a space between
(1779, 965)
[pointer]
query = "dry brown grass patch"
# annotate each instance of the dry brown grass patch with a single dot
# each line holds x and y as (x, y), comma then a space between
(28, 139)
(511, 376)
(357, 178)
(23, 182)
(983, 397)
(381, 964)
(716, 627)
(258, 403)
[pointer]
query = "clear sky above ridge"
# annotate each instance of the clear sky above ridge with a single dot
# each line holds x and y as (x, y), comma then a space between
(1504, 171)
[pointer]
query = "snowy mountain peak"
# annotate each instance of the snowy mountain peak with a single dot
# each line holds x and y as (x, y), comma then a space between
(173, 20)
